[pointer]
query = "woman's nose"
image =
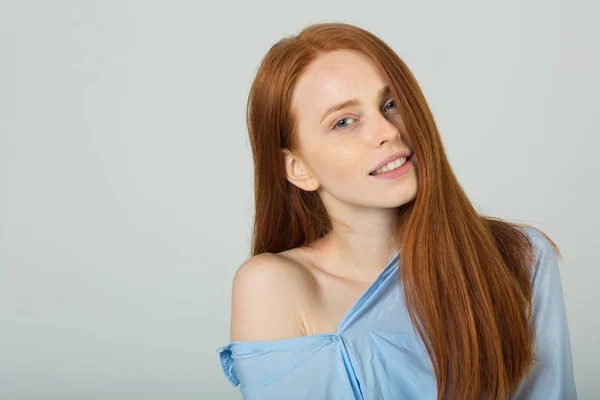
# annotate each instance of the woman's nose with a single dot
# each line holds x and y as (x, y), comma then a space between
(386, 130)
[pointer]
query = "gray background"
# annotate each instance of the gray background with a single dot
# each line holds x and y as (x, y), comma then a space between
(126, 176)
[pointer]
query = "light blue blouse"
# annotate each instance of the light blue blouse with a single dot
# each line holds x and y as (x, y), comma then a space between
(376, 353)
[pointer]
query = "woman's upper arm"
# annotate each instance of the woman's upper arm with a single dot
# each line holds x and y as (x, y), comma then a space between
(552, 374)
(263, 304)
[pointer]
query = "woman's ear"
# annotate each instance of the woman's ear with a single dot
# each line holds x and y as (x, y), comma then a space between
(298, 173)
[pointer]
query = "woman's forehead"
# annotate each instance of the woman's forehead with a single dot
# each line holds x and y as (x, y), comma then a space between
(334, 78)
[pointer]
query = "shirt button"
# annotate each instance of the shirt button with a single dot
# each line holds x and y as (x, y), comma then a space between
(335, 338)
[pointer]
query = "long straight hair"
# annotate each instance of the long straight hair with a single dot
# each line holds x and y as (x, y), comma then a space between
(466, 277)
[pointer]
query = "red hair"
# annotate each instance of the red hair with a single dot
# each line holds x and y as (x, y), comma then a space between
(466, 277)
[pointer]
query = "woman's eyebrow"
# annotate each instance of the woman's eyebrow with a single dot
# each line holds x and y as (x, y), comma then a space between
(339, 106)
(349, 103)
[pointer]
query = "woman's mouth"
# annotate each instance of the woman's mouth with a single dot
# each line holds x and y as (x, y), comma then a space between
(395, 168)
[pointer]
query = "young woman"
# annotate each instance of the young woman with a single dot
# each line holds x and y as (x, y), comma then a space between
(372, 276)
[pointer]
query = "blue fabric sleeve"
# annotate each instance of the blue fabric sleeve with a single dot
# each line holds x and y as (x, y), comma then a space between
(309, 367)
(227, 365)
(552, 373)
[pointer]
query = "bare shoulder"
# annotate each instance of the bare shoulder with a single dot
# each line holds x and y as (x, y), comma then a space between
(266, 290)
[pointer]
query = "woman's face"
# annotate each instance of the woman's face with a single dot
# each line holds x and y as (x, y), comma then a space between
(340, 147)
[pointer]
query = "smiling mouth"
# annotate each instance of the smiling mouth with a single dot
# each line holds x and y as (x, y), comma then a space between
(399, 162)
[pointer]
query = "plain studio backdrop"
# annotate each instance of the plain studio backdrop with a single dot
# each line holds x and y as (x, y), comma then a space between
(126, 195)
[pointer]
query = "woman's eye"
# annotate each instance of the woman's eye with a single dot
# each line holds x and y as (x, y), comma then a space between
(341, 125)
(393, 103)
